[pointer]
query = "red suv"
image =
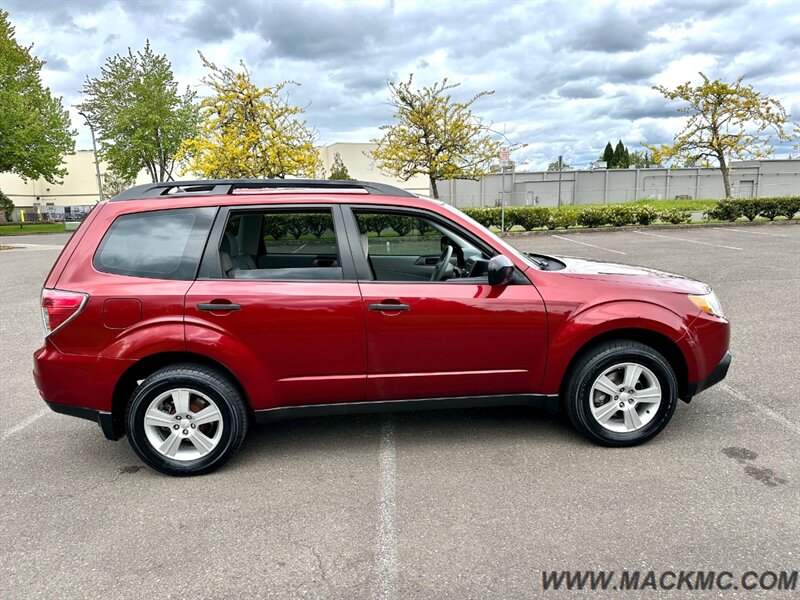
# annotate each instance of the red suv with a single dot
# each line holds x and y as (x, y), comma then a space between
(179, 313)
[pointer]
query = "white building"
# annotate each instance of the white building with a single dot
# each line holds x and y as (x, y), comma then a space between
(78, 192)
(355, 157)
(75, 195)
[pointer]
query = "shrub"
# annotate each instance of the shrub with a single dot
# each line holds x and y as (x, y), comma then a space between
(563, 217)
(318, 225)
(488, 217)
(771, 208)
(402, 226)
(375, 223)
(297, 225)
(675, 216)
(422, 227)
(791, 206)
(725, 210)
(528, 217)
(645, 214)
(620, 214)
(277, 226)
(593, 216)
(750, 207)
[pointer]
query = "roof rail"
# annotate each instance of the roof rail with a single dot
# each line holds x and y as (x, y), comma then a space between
(228, 186)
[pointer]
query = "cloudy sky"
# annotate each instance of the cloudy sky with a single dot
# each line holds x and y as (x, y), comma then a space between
(568, 76)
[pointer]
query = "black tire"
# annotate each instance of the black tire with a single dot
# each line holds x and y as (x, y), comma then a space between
(217, 387)
(577, 392)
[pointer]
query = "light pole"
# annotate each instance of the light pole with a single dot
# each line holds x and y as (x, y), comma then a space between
(560, 163)
(94, 152)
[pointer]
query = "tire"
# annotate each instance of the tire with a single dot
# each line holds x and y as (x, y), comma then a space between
(209, 412)
(609, 420)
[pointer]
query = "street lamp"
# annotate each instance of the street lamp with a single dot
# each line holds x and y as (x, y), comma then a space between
(96, 162)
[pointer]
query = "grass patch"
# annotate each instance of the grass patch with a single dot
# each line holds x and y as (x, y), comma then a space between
(27, 228)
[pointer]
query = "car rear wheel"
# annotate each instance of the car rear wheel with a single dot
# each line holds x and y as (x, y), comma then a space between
(186, 420)
(621, 393)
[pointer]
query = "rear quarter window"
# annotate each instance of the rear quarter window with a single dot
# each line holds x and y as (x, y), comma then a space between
(160, 244)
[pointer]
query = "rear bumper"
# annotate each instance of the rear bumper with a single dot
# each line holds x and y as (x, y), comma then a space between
(100, 417)
(717, 374)
(79, 386)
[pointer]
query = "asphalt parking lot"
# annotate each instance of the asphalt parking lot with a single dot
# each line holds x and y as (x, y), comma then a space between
(451, 504)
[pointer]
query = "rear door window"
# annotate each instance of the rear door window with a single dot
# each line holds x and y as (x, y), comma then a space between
(160, 244)
(281, 245)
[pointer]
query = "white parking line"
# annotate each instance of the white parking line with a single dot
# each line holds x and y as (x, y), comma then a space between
(566, 239)
(22, 425)
(752, 232)
(386, 558)
(672, 237)
(300, 248)
(19, 246)
(761, 407)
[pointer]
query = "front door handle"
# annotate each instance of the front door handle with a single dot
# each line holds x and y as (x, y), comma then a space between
(218, 307)
(389, 306)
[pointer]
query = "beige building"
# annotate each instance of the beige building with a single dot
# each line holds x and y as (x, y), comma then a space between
(75, 195)
(78, 192)
(355, 157)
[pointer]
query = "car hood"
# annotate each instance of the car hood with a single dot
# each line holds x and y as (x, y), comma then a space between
(642, 276)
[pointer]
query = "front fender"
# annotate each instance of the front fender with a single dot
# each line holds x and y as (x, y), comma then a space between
(572, 333)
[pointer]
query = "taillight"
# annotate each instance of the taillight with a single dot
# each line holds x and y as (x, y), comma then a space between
(59, 306)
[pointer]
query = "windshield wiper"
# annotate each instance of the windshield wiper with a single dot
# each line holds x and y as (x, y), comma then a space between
(543, 265)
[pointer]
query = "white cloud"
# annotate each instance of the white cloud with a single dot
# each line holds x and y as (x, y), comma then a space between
(567, 76)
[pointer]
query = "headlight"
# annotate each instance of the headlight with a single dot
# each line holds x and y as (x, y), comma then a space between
(709, 303)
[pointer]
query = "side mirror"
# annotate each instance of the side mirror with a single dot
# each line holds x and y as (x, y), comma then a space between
(501, 269)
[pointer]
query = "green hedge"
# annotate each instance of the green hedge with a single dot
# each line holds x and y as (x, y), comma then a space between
(750, 208)
(540, 217)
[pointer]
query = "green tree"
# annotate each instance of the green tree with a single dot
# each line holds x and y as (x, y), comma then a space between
(434, 136)
(338, 168)
(608, 155)
(553, 166)
(726, 121)
(138, 113)
(641, 159)
(621, 156)
(6, 206)
(35, 129)
(249, 131)
(114, 183)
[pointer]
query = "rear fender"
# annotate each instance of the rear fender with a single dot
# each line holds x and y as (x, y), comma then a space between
(218, 345)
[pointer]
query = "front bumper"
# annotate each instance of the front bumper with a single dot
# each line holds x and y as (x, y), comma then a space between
(717, 375)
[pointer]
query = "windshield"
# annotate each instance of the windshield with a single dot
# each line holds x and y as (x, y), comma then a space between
(500, 241)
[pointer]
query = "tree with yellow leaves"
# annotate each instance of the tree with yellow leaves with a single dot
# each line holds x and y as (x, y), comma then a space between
(248, 131)
(434, 136)
(725, 122)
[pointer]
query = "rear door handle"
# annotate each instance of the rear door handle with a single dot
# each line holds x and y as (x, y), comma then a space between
(214, 307)
(389, 307)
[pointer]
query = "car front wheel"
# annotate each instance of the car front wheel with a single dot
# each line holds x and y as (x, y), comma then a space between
(621, 393)
(186, 420)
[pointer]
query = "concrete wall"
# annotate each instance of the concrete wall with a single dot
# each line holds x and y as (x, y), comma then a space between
(748, 178)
